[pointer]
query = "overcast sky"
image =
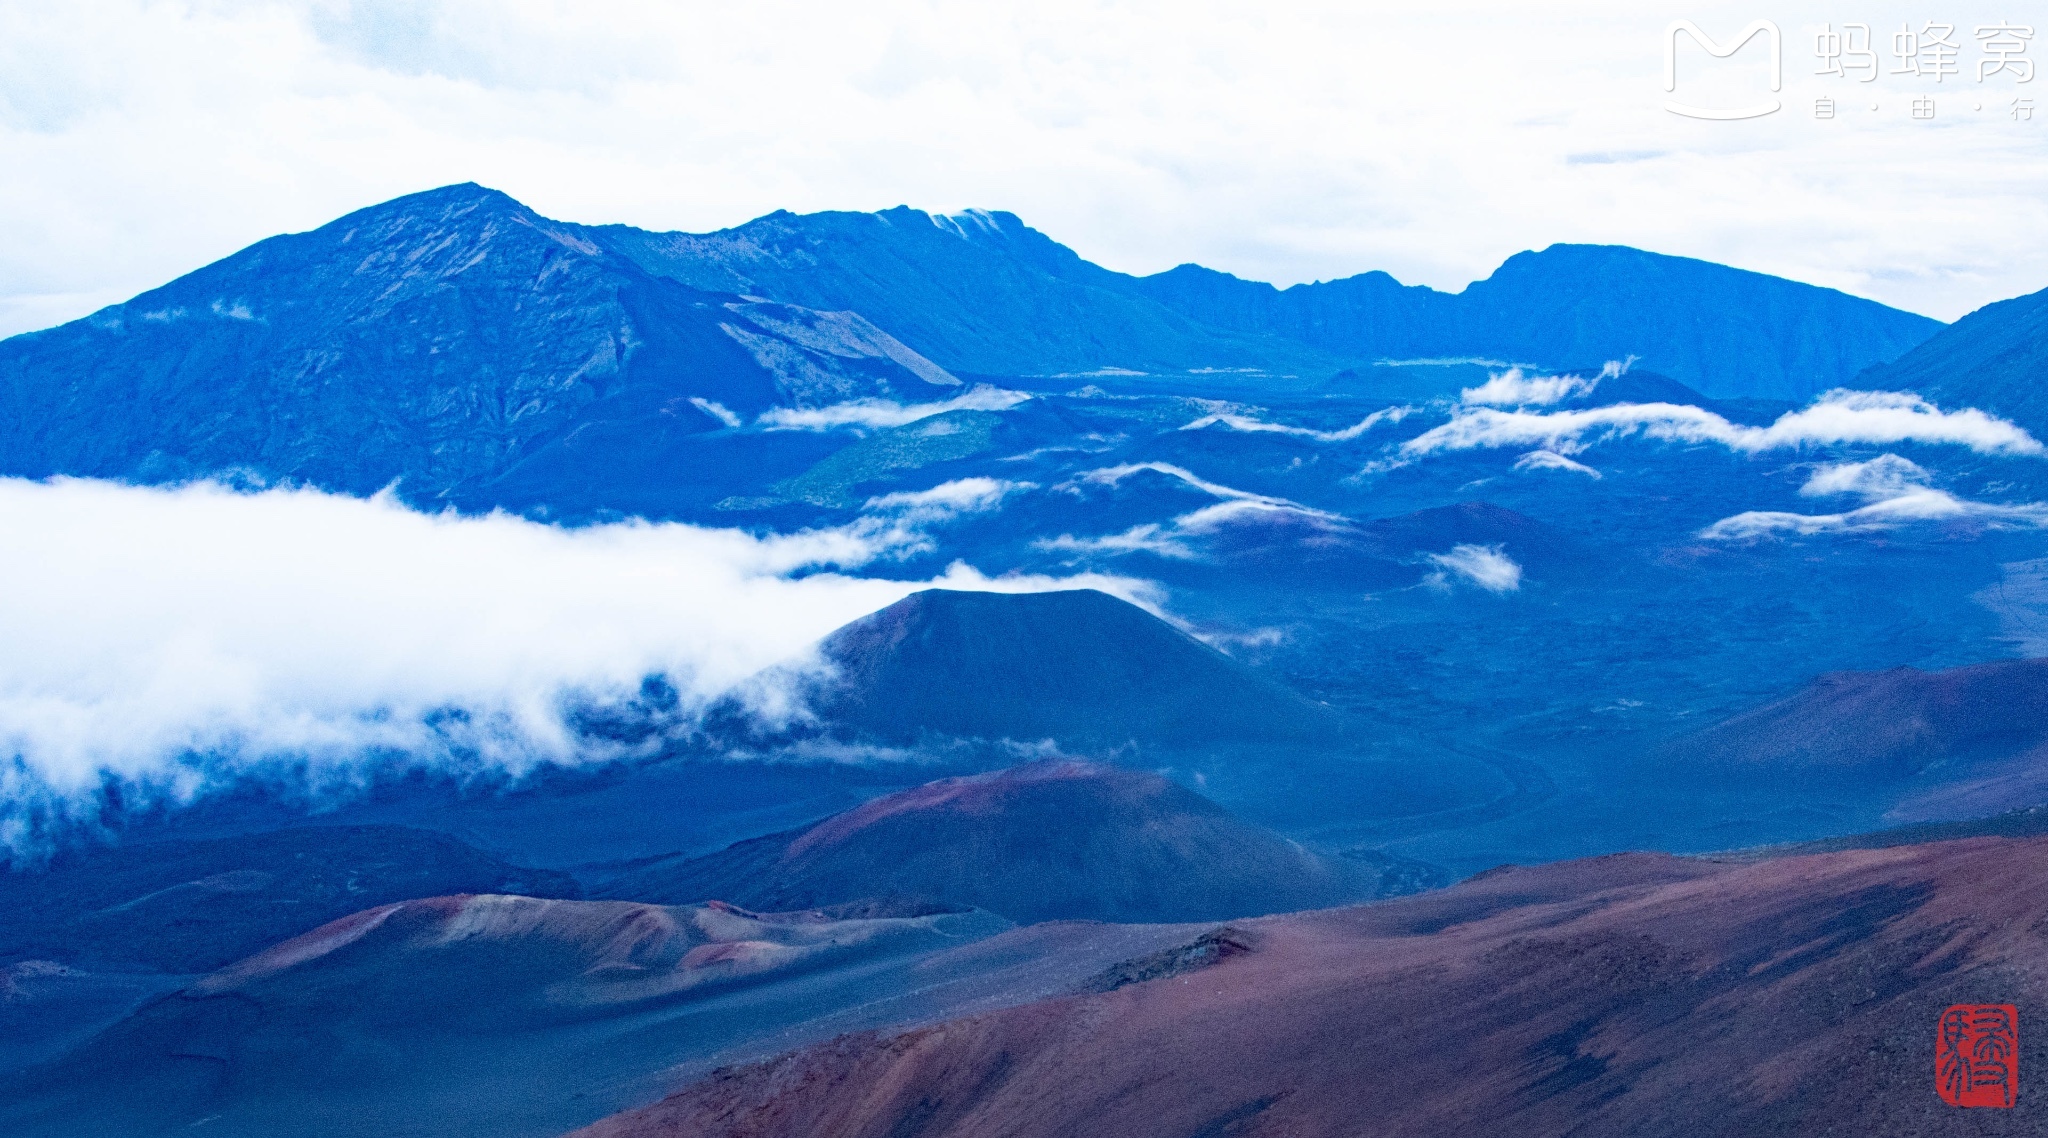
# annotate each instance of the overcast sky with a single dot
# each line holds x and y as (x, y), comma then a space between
(1279, 142)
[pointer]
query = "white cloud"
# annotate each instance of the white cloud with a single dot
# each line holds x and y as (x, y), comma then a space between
(155, 624)
(1144, 594)
(1886, 476)
(716, 410)
(142, 139)
(1241, 422)
(1176, 539)
(1486, 566)
(899, 521)
(960, 496)
(1147, 537)
(1921, 505)
(1513, 389)
(1879, 417)
(1112, 475)
(885, 413)
(1551, 460)
(1896, 491)
(1840, 416)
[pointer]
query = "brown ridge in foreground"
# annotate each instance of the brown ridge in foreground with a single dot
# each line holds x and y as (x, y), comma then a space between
(1627, 995)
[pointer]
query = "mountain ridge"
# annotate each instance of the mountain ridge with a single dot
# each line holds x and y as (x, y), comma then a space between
(1038, 842)
(1550, 307)
(442, 337)
(456, 338)
(1991, 358)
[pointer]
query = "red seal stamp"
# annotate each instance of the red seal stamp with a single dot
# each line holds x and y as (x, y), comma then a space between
(1977, 1055)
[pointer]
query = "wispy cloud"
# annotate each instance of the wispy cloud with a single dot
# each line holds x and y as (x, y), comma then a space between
(1917, 506)
(1157, 538)
(716, 410)
(1176, 538)
(1237, 421)
(1113, 475)
(1487, 566)
(1865, 417)
(948, 499)
(885, 413)
(1886, 476)
(1897, 492)
(161, 636)
(1551, 460)
(900, 522)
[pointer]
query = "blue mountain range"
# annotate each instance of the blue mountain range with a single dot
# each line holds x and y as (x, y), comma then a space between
(1993, 358)
(455, 339)
(983, 292)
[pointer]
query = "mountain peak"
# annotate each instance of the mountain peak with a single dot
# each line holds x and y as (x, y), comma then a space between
(442, 337)
(442, 203)
(1076, 665)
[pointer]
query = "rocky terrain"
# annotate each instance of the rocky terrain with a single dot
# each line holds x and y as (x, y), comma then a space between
(1632, 994)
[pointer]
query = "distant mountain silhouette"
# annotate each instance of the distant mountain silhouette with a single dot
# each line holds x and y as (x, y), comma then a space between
(983, 292)
(443, 338)
(1993, 358)
(1044, 841)
(1624, 995)
(1728, 332)
(1077, 666)
(457, 340)
(1962, 742)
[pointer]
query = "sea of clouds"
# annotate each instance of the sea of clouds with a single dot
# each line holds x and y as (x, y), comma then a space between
(162, 638)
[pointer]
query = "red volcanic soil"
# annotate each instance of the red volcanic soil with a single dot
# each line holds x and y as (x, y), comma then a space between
(1627, 995)
(1044, 841)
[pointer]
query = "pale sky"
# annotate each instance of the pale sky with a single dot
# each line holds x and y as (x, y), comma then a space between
(1280, 142)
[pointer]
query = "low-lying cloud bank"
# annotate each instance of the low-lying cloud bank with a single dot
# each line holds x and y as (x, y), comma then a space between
(876, 413)
(161, 637)
(1237, 421)
(1919, 506)
(1877, 418)
(1897, 494)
